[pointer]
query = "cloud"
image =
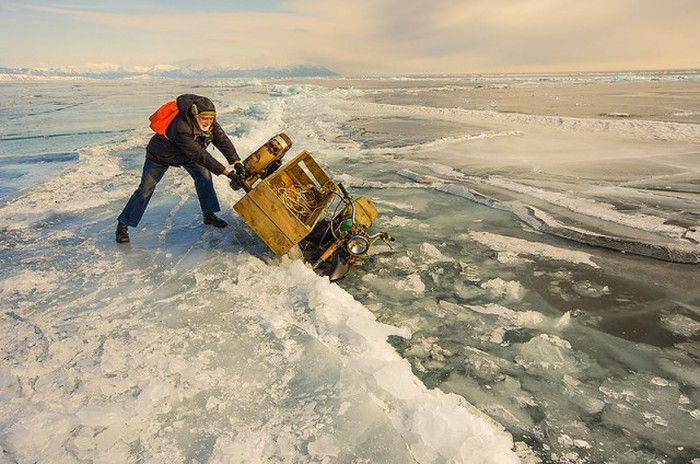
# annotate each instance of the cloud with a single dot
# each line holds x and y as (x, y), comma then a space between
(501, 35)
(383, 36)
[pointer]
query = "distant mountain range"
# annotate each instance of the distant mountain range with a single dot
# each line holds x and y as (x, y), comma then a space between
(116, 72)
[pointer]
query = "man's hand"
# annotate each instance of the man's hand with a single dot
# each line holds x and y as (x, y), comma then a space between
(240, 170)
(236, 180)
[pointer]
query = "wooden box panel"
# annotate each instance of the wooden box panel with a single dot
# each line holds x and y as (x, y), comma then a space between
(270, 208)
(263, 226)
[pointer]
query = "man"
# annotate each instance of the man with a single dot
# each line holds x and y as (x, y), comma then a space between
(184, 145)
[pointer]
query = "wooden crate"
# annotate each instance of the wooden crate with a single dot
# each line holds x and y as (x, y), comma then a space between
(273, 208)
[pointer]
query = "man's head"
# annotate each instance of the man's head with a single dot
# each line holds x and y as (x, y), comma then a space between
(204, 113)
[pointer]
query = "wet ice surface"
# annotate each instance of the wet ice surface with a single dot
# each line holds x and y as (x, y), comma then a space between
(586, 354)
(194, 344)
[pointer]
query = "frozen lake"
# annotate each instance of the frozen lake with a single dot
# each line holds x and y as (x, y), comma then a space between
(540, 305)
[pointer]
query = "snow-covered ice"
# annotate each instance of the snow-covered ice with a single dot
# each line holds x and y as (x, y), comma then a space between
(496, 330)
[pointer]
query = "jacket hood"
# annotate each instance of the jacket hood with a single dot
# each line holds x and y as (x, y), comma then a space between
(184, 102)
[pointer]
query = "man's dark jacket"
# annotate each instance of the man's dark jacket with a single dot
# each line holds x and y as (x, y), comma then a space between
(186, 143)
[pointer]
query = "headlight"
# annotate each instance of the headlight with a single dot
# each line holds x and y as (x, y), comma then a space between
(357, 245)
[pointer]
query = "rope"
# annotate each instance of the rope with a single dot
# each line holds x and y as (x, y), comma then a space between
(302, 201)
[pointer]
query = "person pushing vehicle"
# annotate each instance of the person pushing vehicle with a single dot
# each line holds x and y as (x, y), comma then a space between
(184, 129)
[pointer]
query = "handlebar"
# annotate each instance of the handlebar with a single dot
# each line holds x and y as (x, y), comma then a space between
(345, 192)
(384, 236)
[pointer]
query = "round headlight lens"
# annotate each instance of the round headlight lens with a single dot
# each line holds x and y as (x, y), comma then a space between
(357, 245)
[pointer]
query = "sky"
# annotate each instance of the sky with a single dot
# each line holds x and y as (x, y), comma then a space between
(361, 37)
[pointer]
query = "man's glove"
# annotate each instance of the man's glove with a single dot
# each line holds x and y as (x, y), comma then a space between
(241, 170)
(236, 180)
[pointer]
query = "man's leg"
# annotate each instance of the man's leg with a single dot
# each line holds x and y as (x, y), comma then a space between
(206, 194)
(204, 186)
(133, 211)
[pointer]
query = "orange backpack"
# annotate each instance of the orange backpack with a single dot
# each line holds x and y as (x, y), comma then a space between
(161, 119)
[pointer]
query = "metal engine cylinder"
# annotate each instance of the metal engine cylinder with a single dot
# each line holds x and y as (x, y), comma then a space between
(260, 162)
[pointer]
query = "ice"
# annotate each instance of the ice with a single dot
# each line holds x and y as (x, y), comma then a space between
(90, 185)
(549, 355)
(650, 410)
(432, 254)
(133, 375)
(596, 209)
(101, 415)
(517, 247)
(632, 128)
(324, 446)
(681, 324)
(412, 284)
(499, 288)
(499, 318)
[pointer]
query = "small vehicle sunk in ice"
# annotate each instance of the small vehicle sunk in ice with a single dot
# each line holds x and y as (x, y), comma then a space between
(297, 209)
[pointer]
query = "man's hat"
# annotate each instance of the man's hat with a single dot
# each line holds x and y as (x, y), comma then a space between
(203, 107)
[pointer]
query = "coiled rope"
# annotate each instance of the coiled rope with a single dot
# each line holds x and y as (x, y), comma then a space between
(302, 201)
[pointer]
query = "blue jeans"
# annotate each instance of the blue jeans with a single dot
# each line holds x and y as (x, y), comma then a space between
(152, 174)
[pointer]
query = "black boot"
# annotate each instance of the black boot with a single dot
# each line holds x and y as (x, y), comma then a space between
(212, 220)
(122, 233)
